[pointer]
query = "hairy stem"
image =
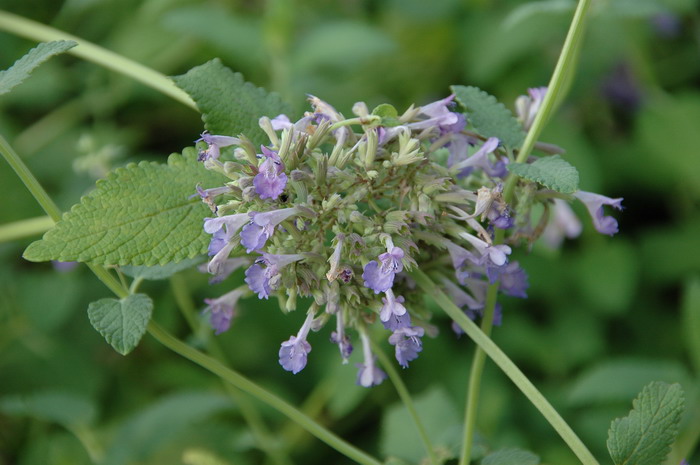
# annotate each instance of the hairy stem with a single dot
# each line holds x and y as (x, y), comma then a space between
(40, 32)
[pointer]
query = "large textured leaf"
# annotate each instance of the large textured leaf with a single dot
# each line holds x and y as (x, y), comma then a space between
(488, 116)
(229, 105)
(644, 437)
(552, 172)
(139, 215)
(24, 66)
(122, 322)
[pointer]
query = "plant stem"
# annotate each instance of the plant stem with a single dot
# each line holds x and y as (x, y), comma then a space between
(25, 228)
(407, 401)
(40, 32)
(560, 79)
(261, 394)
(506, 365)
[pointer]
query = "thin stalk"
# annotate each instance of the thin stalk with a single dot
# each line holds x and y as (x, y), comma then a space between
(561, 78)
(40, 32)
(506, 365)
(261, 394)
(405, 396)
(180, 347)
(250, 414)
(25, 228)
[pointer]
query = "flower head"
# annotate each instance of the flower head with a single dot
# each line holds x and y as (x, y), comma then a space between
(379, 276)
(270, 181)
(408, 344)
(261, 227)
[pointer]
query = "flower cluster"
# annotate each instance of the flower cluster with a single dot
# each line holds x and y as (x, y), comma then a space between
(342, 209)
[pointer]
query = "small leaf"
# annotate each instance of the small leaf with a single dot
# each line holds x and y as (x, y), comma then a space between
(552, 172)
(644, 437)
(139, 215)
(511, 457)
(390, 116)
(121, 322)
(229, 105)
(157, 272)
(23, 67)
(488, 116)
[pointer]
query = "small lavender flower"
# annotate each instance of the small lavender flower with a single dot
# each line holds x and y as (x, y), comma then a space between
(221, 310)
(474, 314)
(263, 281)
(271, 180)
(527, 106)
(594, 203)
(294, 351)
(440, 116)
(513, 280)
(339, 337)
(369, 374)
(480, 161)
(564, 223)
(261, 227)
(63, 267)
(215, 143)
(222, 230)
(393, 314)
(408, 344)
(379, 276)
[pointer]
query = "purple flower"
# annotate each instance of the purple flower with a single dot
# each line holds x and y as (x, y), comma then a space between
(491, 255)
(224, 269)
(261, 227)
(480, 160)
(379, 276)
(222, 229)
(440, 116)
(564, 223)
(513, 280)
(221, 310)
(215, 143)
(369, 374)
(594, 203)
(263, 281)
(474, 314)
(527, 106)
(339, 337)
(270, 181)
(393, 314)
(63, 267)
(294, 351)
(408, 344)
(461, 298)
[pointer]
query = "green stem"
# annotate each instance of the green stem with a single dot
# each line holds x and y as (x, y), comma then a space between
(25, 228)
(250, 414)
(405, 396)
(560, 80)
(474, 387)
(261, 394)
(507, 366)
(36, 31)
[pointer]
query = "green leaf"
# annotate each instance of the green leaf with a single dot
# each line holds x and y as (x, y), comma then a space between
(510, 457)
(690, 314)
(141, 214)
(488, 116)
(644, 437)
(552, 172)
(23, 67)
(160, 272)
(65, 408)
(160, 423)
(390, 117)
(229, 105)
(121, 322)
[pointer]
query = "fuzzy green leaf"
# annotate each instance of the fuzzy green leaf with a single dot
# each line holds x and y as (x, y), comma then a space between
(229, 105)
(552, 172)
(141, 214)
(644, 437)
(155, 273)
(121, 322)
(488, 116)
(23, 67)
(510, 457)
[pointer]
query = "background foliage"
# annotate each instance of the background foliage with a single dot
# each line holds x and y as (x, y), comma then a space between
(605, 316)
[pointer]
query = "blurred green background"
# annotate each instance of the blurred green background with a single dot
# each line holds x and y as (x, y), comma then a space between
(604, 317)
